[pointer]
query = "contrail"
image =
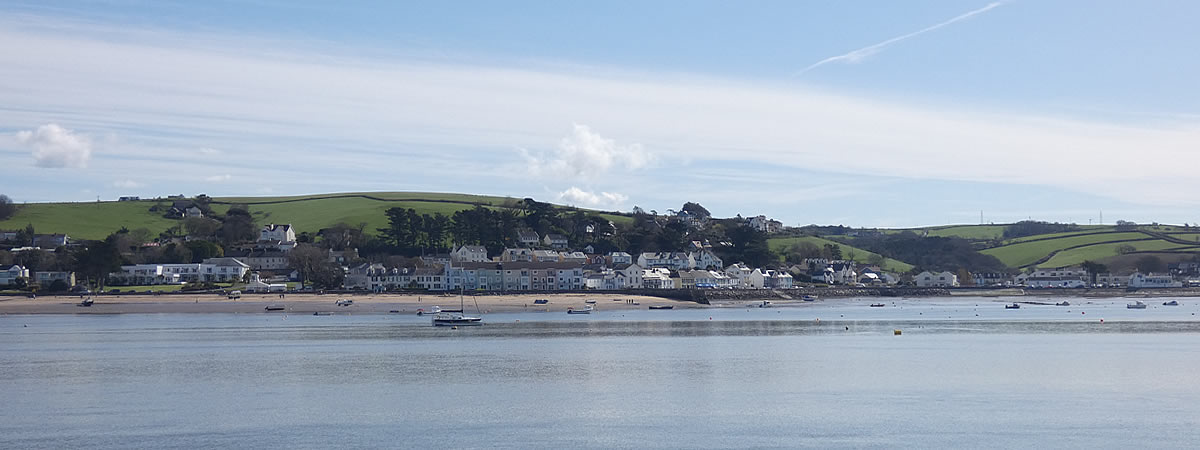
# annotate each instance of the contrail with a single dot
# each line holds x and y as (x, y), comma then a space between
(860, 54)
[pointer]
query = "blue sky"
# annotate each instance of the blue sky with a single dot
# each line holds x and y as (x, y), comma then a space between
(925, 113)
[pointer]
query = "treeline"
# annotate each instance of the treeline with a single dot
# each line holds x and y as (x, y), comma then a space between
(411, 233)
(1034, 227)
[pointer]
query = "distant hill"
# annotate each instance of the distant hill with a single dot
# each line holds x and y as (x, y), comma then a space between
(310, 213)
(95, 220)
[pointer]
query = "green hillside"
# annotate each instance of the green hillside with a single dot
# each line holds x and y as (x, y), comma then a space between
(307, 213)
(779, 245)
(1031, 251)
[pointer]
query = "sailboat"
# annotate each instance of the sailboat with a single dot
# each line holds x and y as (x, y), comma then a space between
(456, 319)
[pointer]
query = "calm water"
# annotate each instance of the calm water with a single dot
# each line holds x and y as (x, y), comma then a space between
(1041, 376)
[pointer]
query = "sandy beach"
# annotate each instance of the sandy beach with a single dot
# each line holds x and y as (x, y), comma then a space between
(310, 303)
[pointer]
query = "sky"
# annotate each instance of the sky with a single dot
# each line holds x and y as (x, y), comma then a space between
(860, 113)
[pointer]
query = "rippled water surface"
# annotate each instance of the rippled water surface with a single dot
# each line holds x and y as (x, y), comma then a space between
(964, 373)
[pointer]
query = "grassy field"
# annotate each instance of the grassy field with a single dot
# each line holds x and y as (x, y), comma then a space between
(1025, 253)
(306, 213)
(779, 245)
(1097, 252)
(87, 220)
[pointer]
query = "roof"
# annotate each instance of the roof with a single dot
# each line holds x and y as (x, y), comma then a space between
(276, 227)
(556, 237)
(226, 262)
(527, 235)
(474, 248)
(515, 265)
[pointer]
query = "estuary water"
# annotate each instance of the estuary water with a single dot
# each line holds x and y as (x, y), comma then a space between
(963, 373)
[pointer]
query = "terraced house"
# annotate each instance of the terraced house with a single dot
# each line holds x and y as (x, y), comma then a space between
(515, 276)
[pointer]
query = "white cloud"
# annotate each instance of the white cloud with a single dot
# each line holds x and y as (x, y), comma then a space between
(216, 178)
(857, 56)
(56, 147)
(127, 184)
(586, 154)
(579, 197)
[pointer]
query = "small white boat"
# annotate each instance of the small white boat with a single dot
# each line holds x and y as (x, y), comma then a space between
(345, 302)
(586, 310)
(1013, 306)
(1136, 305)
(87, 302)
(1171, 303)
(765, 304)
(1063, 303)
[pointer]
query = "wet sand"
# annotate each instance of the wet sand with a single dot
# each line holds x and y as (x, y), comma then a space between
(311, 303)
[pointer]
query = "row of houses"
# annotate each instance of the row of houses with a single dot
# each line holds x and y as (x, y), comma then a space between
(1063, 277)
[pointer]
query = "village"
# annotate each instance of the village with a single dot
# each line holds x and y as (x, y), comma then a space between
(543, 263)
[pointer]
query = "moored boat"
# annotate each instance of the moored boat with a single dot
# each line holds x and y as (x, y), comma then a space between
(1171, 303)
(87, 302)
(586, 310)
(877, 305)
(662, 307)
(1063, 303)
(541, 301)
(274, 308)
(1136, 305)
(455, 319)
(764, 304)
(808, 298)
(1012, 306)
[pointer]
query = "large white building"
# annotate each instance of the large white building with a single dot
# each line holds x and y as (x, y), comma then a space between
(1141, 280)
(469, 253)
(212, 269)
(940, 279)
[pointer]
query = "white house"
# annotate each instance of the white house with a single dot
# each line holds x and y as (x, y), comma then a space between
(777, 279)
(470, 253)
(941, 279)
(619, 258)
(673, 261)
(277, 233)
(1140, 280)
(706, 259)
(658, 278)
(746, 277)
(765, 225)
(627, 277)
(9, 274)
